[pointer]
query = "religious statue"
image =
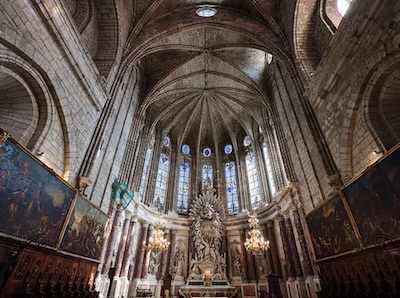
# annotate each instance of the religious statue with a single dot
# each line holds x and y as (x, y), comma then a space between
(207, 230)
(236, 262)
(179, 259)
(154, 263)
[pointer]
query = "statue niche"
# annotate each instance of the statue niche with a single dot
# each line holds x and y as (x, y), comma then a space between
(207, 231)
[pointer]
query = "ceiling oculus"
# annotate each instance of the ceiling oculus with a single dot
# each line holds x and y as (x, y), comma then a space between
(206, 11)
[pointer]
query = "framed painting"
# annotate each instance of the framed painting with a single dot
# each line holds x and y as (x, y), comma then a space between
(331, 230)
(86, 230)
(34, 202)
(374, 200)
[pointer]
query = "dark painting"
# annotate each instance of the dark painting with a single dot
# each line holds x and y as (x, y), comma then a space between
(86, 230)
(33, 202)
(331, 230)
(374, 200)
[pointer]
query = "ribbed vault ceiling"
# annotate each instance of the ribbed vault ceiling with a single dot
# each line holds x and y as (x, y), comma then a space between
(205, 77)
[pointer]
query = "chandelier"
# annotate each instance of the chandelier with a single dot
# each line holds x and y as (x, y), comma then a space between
(255, 244)
(157, 243)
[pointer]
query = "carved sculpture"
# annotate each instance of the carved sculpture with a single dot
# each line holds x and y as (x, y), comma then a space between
(207, 230)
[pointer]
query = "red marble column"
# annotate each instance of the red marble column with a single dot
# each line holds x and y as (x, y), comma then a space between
(293, 248)
(251, 268)
(105, 246)
(267, 253)
(128, 248)
(276, 263)
(140, 251)
(165, 258)
(172, 253)
(121, 248)
(113, 240)
(243, 255)
(302, 240)
(286, 249)
(146, 259)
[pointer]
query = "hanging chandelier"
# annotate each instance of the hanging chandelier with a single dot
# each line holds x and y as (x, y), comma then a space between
(255, 244)
(157, 243)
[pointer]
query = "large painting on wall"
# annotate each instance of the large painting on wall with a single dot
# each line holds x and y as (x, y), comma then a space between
(374, 200)
(86, 230)
(331, 230)
(34, 202)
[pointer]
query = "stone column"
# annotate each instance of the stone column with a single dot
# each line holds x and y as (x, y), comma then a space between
(122, 245)
(267, 253)
(165, 258)
(146, 259)
(129, 248)
(140, 251)
(302, 240)
(276, 264)
(172, 253)
(286, 249)
(251, 270)
(293, 249)
(243, 254)
(113, 240)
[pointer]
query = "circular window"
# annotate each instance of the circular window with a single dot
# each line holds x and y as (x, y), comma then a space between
(206, 11)
(247, 141)
(228, 149)
(166, 141)
(185, 149)
(206, 152)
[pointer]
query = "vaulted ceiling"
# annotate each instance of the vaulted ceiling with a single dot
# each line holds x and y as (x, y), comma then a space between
(205, 81)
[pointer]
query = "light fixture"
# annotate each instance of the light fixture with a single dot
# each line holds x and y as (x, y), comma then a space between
(255, 244)
(376, 152)
(206, 11)
(157, 242)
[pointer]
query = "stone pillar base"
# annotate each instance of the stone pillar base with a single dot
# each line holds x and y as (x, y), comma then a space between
(313, 286)
(116, 287)
(132, 287)
(103, 284)
(158, 293)
(296, 287)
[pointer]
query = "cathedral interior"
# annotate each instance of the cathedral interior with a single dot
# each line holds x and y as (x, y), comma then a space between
(199, 148)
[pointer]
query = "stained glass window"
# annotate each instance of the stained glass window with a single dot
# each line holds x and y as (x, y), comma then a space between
(145, 172)
(342, 6)
(247, 141)
(253, 180)
(161, 182)
(207, 173)
(228, 149)
(185, 149)
(231, 188)
(270, 173)
(207, 152)
(166, 141)
(183, 188)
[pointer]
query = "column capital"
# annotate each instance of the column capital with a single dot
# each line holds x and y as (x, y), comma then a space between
(270, 224)
(144, 224)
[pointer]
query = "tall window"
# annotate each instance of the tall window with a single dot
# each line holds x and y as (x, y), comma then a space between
(231, 188)
(253, 180)
(342, 6)
(270, 173)
(183, 188)
(161, 182)
(207, 173)
(143, 181)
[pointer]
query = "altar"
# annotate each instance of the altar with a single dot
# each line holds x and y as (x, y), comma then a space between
(200, 288)
(207, 262)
